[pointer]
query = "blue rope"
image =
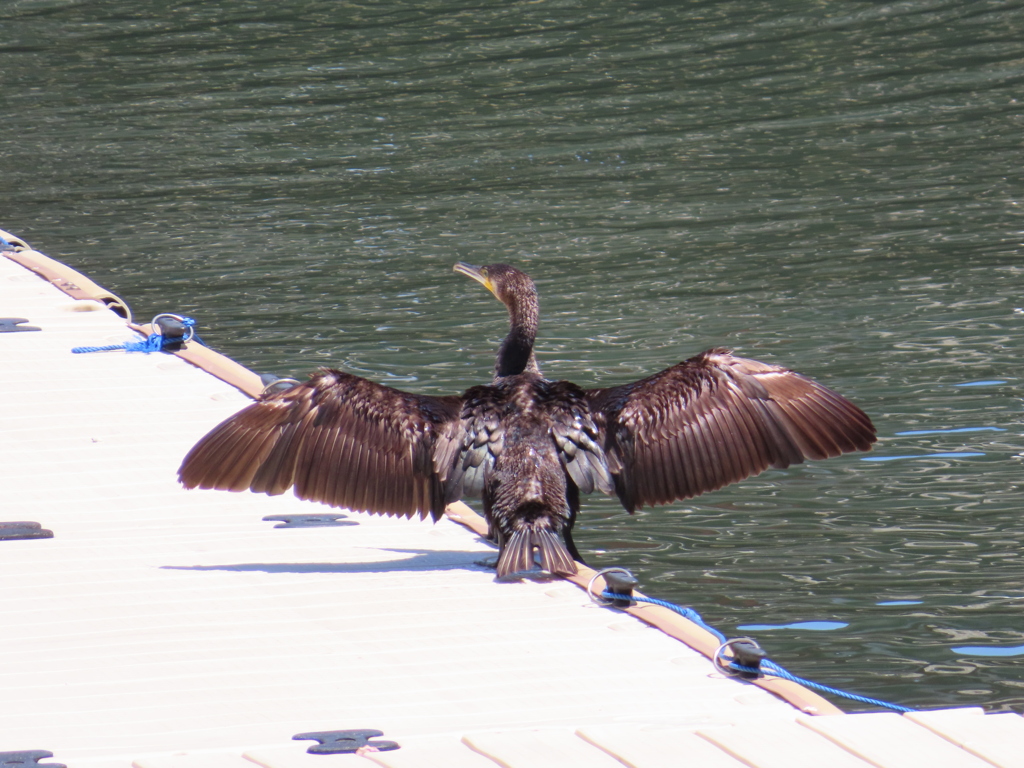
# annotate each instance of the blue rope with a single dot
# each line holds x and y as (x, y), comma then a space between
(772, 668)
(689, 613)
(766, 666)
(155, 342)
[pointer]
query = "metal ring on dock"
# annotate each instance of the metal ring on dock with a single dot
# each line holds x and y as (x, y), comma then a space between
(717, 658)
(277, 385)
(590, 586)
(189, 329)
(118, 306)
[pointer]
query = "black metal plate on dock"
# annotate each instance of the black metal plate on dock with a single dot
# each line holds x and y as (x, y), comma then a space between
(14, 325)
(342, 742)
(29, 758)
(23, 530)
(309, 521)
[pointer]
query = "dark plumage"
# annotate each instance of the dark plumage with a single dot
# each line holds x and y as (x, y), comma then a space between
(526, 445)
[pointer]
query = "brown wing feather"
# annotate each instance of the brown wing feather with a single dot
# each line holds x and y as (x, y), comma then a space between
(715, 419)
(338, 439)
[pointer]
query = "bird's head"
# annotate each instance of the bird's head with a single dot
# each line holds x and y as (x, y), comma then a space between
(508, 284)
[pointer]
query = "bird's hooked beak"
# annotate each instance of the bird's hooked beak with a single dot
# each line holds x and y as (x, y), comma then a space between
(477, 273)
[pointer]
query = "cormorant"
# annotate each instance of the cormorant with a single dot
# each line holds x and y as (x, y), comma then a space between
(527, 445)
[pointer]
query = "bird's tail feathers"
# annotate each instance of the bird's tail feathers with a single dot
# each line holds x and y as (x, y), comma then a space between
(517, 554)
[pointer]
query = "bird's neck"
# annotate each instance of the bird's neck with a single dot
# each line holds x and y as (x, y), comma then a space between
(515, 355)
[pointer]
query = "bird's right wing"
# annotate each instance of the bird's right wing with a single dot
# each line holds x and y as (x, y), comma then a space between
(715, 419)
(338, 439)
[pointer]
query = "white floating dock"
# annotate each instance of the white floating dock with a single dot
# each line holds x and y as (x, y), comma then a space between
(163, 628)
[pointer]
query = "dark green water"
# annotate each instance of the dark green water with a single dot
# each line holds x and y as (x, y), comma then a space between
(835, 186)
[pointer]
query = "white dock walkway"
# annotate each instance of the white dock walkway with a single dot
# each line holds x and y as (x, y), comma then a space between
(169, 629)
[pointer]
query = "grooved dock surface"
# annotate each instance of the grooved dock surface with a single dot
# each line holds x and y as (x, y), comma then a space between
(171, 629)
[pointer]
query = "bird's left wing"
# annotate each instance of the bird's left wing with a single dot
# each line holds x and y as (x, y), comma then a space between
(715, 419)
(339, 439)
